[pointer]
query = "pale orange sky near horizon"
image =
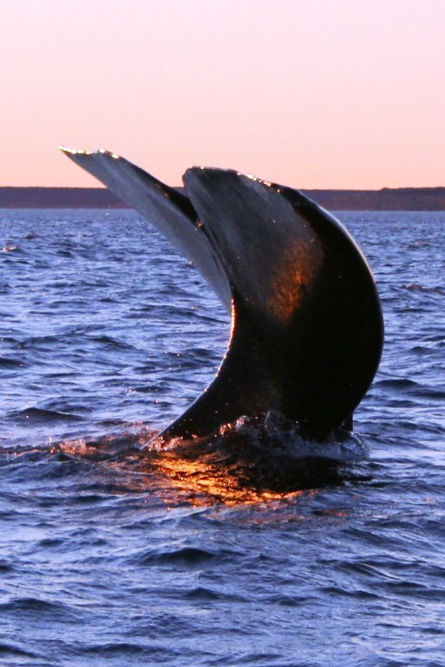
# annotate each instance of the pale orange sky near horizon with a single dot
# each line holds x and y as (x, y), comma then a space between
(310, 93)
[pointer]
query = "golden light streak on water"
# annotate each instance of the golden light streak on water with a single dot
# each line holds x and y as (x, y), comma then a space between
(181, 473)
(206, 483)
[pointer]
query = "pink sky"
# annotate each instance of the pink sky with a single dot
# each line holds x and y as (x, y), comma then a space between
(310, 93)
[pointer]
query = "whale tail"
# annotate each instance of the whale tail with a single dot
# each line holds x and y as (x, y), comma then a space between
(306, 324)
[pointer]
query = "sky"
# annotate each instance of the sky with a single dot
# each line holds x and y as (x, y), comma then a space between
(308, 93)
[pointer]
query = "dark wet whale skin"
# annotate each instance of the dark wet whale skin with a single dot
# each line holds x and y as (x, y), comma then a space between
(307, 329)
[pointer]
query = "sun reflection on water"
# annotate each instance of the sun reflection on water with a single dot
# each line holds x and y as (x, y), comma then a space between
(198, 473)
(206, 483)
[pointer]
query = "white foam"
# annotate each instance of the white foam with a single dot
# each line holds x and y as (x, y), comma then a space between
(276, 434)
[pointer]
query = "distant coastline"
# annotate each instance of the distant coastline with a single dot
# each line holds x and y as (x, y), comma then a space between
(386, 199)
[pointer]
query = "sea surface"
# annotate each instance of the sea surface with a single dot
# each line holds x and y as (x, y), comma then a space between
(110, 556)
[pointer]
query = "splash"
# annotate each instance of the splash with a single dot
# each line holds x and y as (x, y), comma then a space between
(250, 461)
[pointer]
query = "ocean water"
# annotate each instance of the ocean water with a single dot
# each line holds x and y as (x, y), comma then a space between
(112, 557)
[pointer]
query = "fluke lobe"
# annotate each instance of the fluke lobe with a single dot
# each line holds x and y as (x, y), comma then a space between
(307, 328)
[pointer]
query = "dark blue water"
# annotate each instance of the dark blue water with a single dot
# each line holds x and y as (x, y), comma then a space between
(110, 558)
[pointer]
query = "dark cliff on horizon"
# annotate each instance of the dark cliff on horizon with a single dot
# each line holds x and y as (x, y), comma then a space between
(386, 199)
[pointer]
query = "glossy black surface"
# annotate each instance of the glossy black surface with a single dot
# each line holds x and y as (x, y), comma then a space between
(307, 329)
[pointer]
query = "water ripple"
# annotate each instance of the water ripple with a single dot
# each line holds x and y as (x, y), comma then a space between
(114, 553)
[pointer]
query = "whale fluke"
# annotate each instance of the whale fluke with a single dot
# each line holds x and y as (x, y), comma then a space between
(306, 324)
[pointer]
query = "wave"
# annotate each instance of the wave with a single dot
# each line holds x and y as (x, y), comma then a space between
(15, 650)
(33, 416)
(124, 650)
(110, 342)
(411, 387)
(207, 594)
(31, 605)
(10, 362)
(428, 289)
(189, 556)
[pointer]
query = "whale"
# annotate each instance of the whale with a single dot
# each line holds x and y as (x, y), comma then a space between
(306, 332)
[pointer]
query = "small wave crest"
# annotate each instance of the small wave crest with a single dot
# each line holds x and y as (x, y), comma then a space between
(34, 416)
(281, 436)
(31, 605)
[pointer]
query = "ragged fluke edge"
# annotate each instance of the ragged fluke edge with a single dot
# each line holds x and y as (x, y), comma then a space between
(306, 324)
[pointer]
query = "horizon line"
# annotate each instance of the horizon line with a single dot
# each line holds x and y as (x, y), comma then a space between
(355, 189)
